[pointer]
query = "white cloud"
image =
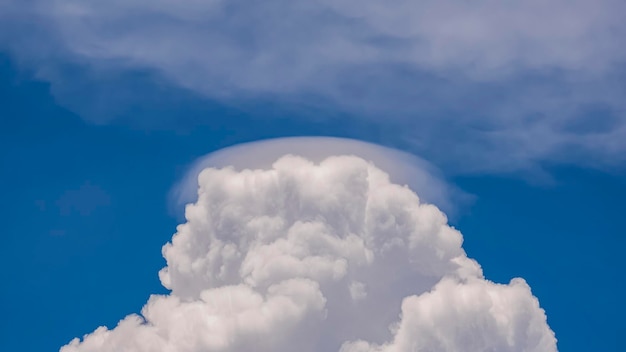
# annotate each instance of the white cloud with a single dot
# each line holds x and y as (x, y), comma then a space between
(480, 315)
(404, 168)
(238, 44)
(322, 257)
(479, 86)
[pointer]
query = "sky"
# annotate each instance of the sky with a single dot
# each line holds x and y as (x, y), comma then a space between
(517, 109)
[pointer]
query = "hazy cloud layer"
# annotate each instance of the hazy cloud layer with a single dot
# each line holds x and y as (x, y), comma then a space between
(481, 85)
(322, 257)
(84, 200)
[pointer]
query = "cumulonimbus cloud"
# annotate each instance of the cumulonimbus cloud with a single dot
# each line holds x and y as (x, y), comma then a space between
(478, 86)
(326, 256)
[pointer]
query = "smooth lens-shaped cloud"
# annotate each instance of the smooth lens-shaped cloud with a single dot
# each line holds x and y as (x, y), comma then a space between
(322, 257)
(404, 168)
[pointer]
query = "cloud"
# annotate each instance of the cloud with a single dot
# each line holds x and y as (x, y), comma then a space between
(247, 44)
(404, 168)
(328, 256)
(83, 200)
(478, 86)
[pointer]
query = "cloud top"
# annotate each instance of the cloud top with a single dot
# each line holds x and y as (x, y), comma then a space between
(403, 168)
(328, 256)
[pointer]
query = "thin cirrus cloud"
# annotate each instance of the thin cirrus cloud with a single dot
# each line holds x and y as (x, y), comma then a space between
(84, 200)
(476, 86)
(328, 256)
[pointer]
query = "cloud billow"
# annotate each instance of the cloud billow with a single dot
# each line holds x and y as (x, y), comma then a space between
(328, 256)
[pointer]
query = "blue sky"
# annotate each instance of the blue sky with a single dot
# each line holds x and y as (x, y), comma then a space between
(92, 143)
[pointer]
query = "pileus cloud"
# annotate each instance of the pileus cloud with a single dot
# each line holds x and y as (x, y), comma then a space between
(403, 168)
(328, 256)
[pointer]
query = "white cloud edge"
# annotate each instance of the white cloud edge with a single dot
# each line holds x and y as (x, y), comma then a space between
(404, 168)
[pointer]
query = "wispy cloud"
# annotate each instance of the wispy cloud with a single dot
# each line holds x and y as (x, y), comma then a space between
(496, 85)
(83, 200)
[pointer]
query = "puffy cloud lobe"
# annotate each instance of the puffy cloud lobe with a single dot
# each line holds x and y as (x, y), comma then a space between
(322, 257)
(482, 316)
